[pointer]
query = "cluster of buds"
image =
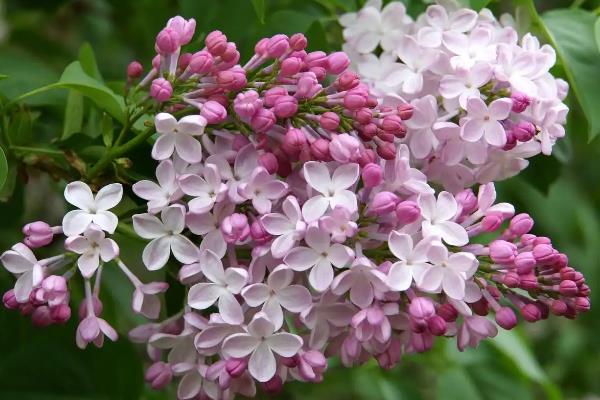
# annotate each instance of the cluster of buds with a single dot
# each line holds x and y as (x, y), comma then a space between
(295, 212)
(484, 101)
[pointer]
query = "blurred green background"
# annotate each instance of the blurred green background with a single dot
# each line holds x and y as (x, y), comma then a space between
(552, 359)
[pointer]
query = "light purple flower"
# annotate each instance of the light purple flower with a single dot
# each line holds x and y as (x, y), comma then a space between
(21, 261)
(162, 194)
(484, 121)
(178, 137)
(437, 218)
(92, 246)
(288, 227)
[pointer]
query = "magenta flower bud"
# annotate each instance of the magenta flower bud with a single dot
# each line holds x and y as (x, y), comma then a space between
(355, 98)
(247, 103)
(213, 112)
(231, 55)
(39, 234)
(372, 175)
(558, 307)
(511, 279)
(544, 253)
(525, 262)
(524, 131)
(258, 232)
(528, 281)
(156, 62)
(167, 41)
(320, 149)
(394, 125)
(263, 120)
(134, 70)
(448, 312)
(41, 317)
(232, 79)
(271, 95)
(344, 148)
(407, 212)
(235, 367)
(520, 224)
(273, 385)
(531, 313)
(291, 66)
(337, 62)
(568, 288)
(316, 59)
(201, 62)
(83, 312)
(161, 89)
(582, 304)
(405, 111)
(55, 290)
(363, 115)
(383, 203)
(260, 47)
(320, 72)
(269, 162)
(235, 228)
(307, 85)
(437, 325)
(277, 45)
(159, 375)
(298, 42)
(386, 150)
(421, 308)
(491, 222)
(467, 201)
(60, 314)
(503, 252)
(520, 102)
(506, 318)
(347, 80)
(216, 43)
(366, 156)
(421, 342)
(9, 300)
(285, 106)
(185, 28)
(239, 142)
(294, 141)
(329, 121)
(184, 60)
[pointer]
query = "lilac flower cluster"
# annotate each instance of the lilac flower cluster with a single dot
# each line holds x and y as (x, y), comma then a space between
(484, 99)
(288, 205)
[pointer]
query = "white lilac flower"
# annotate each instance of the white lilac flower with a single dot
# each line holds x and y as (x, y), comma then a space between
(91, 209)
(178, 136)
(93, 246)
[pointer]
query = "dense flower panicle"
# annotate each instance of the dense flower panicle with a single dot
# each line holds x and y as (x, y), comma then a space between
(299, 213)
(484, 99)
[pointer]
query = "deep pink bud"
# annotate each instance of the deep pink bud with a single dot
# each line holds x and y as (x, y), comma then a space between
(511, 279)
(437, 325)
(184, 60)
(337, 62)
(372, 175)
(230, 55)
(448, 312)
(235, 367)
(491, 222)
(544, 253)
(271, 95)
(298, 42)
(201, 62)
(184, 27)
(60, 314)
(273, 385)
(405, 111)
(344, 148)
(239, 142)
(421, 342)
(277, 45)
(383, 203)
(421, 308)
(316, 59)
(525, 262)
(83, 313)
(506, 318)
(269, 162)
(307, 85)
(235, 228)
(293, 141)
(558, 307)
(503, 252)
(524, 131)
(261, 46)
(213, 111)
(291, 66)
(386, 150)
(366, 156)
(216, 43)
(232, 79)
(134, 70)
(246, 104)
(55, 290)
(520, 102)
(355, 98)
(329, 120)
(347, 80)
(39, 234)
(258, 232)
(568, 288)
(161, 89)
(167, 41)
(10, 300)
(531, 313)
(320, 149)
(363, 115)
(159, 375)
(394, 125)
(582, 304)
(41, 317)
(467, 200)
(285, 106)
(521, 224)
(407, 212)
(263, 120)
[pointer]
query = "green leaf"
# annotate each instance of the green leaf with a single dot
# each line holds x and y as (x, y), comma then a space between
(3, 168)
(2, 76)
(259, 8)
(571, 31)
(455, 384)
(88, 61)
(74, 77)
(107, 129)
(317, 38)
(479, 4)
(597, 32)
(73, 114)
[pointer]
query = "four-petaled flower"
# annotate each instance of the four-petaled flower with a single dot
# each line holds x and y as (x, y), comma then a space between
(178, 137)
(484, 121)
(412, 260)
(437, 216)
(289, 227)
(21, 261)
(93, 246)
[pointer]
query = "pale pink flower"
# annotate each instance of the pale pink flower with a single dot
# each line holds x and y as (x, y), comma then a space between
(288, 227)
(146, 300)
(473, 330)
(339, 224)
(262, 188)
(278, 294)
(208, 225)
(178, 136)
(92, 246)
(465, 82)
(363, 280)
(260, 343)
(484, 121)
(159, 195)
(223, 285)
(412, 260)
(21, 261)
(166, 237)
(206, 189)
(92, 330)
(439, 21)
(437, 218)
(91, 208)
(244, 165)
(325, 318)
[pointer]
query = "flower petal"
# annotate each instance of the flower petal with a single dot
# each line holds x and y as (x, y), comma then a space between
(230, 309)
(240, 345)
(285, 344)
(109, 196)
(314, 208)
(317, 176)
(75, 222)
(321, 275)
(148, 226)
(301, 258)
(80, 195)
(203, 295)
(156, 253)
(262, 364)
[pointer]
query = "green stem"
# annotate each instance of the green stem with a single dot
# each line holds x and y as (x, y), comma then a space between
(38, 150)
